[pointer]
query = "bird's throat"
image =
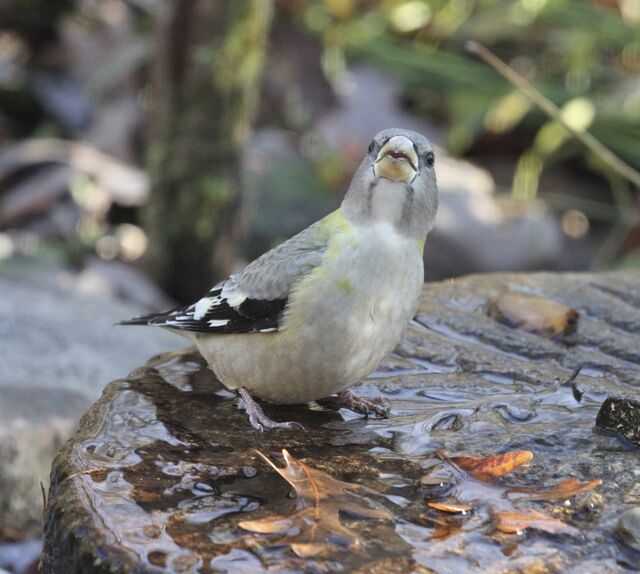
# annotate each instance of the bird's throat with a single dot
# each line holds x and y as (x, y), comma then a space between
(390, 202)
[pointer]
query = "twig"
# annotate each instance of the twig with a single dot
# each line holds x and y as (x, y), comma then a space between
(547, 106)
(577, 393)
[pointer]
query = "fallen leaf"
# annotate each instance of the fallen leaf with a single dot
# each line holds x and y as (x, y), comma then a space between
(456, 508)
(492, 467)
(534, 314)
(518, 521)
(314, 528)
(562, 490)
(474, 487)
(445, 528)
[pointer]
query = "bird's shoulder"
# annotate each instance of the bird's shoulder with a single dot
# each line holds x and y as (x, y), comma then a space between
(254, 299)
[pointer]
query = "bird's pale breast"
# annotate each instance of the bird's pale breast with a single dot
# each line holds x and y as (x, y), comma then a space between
(341, 321)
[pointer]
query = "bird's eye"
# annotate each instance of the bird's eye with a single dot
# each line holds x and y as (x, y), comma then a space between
(372, 146)
(430, 158)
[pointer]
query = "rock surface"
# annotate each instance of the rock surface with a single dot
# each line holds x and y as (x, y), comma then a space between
(59, 349)
(163, 468)
(628, 529)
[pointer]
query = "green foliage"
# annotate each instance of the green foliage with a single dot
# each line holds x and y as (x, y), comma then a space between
(568, 48)
(584, 55)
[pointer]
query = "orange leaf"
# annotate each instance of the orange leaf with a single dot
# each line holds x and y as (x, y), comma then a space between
(450, 507)
(562, 490)
(492, 466)
(478, 489)
(515, 521)
(446, 528)
(534, 314)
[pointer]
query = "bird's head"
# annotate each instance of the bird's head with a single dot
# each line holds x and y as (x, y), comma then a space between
(395, 183)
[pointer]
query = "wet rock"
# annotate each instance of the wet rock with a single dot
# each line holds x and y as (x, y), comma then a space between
(34, 423)
(622, 416)
(628, 528)
(58, 350)
(163, 467)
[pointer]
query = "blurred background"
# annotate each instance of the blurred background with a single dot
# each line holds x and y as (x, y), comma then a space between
(182, 139)
(149, 148)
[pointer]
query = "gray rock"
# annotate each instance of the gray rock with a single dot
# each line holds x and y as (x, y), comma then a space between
(55, 337)
(628, 528)
(163, 469)
(59, 349)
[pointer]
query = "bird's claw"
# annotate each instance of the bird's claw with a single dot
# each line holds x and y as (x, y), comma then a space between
(258, 419)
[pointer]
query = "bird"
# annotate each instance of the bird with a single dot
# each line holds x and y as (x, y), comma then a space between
(318, 313)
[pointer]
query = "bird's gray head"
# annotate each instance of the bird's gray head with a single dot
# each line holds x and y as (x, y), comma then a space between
(396, 183)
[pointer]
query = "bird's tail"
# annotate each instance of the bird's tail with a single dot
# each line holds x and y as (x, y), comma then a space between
(152, 319)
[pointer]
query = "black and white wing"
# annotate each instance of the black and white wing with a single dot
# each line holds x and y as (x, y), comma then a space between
(254, 299)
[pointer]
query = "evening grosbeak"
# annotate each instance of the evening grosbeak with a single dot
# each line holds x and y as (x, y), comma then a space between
(319, 312)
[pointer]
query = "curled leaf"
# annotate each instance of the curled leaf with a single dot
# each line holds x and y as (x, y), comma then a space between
(562, 490)
(518, 521)
(475, 488)
(492, 467)
(453, 508)
(314, 528)
(534, 314)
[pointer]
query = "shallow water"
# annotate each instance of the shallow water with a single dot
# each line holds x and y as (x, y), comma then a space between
(164, 468)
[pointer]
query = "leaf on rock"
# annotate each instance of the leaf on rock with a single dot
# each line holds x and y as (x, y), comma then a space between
(454, 508)
(475, 487)
(314, 528)
(445, 528)
(518, 521)
(492, 467)
(562, 490)
(534, 314)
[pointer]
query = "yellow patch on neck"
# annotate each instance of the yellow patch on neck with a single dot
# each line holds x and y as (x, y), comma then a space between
(421, 242)
(334, 223)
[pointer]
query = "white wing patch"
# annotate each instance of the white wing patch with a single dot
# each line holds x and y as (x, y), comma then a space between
(226, 309)
(203, 306)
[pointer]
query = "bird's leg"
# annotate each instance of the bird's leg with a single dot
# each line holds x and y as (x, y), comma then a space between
(258, 419)
(357, 404)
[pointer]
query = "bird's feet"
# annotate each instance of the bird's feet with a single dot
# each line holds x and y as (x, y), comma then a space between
(257, 418)
(357, 404)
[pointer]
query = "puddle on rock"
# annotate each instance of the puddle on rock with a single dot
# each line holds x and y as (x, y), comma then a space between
(164, 468)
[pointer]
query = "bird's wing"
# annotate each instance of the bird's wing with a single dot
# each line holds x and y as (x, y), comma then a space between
(254, 299)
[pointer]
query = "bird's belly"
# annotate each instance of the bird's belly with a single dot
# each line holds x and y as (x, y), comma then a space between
(339, 325)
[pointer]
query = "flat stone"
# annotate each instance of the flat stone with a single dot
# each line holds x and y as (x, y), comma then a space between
(163, 467)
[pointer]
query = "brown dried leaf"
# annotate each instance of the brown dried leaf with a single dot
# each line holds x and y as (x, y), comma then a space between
(315, 527)
(477, 489)
(445, 528)
(534, 314)
(562, 490)
(492, 467)
(518, 521)
(454, 508)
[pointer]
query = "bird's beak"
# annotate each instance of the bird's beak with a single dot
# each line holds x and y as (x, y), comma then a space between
(397, 160)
